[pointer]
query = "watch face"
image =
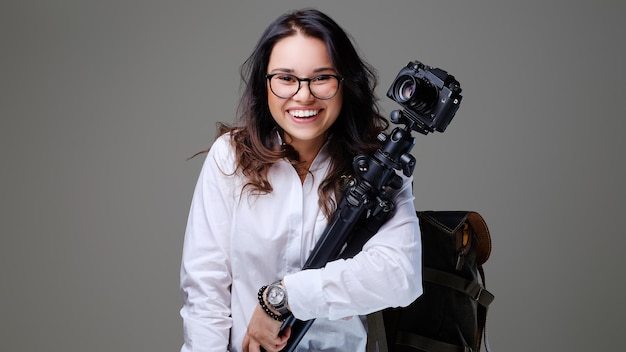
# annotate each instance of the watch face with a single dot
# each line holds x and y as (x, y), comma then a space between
(275, 295)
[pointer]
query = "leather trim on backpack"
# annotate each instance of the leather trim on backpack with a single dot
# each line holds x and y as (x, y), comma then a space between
(451, 222)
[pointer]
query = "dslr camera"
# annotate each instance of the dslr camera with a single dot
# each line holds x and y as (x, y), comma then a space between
(430, 96)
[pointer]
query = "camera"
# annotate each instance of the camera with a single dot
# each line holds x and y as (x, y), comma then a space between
(430, 96)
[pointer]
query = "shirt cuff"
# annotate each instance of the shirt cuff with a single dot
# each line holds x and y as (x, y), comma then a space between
(305, 294)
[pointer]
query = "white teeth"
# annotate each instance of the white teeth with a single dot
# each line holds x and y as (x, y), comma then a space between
(303, 113)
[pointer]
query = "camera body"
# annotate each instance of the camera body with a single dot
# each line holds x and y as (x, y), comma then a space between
(430, 96)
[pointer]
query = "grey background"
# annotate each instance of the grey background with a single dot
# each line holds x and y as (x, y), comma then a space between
(101, 103)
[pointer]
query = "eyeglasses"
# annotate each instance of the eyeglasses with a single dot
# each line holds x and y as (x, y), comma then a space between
(285, 85)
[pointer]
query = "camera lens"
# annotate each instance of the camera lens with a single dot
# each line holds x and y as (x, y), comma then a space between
(405, 87)
(415, 92)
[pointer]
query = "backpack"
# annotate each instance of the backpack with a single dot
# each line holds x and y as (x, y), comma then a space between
(451, 313)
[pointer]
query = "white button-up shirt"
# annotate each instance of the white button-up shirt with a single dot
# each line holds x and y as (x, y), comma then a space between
(236, 242)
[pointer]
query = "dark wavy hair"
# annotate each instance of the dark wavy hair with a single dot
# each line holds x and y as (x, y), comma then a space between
(354, 132)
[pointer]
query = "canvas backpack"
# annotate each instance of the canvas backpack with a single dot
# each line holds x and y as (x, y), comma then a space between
(451, 313)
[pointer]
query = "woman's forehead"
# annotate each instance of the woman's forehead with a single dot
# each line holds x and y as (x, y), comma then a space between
(300, 54)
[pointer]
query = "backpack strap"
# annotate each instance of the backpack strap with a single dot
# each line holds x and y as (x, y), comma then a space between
(481, 335)
(376, 336)
(471, 288)
(426, 344)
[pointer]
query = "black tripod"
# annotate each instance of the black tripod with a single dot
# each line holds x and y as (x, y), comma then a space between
(364, 207)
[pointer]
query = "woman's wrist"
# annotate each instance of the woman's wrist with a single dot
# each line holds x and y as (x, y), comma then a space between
(261, 295)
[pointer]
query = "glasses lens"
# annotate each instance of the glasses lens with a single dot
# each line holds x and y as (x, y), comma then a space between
(284, 86)
(324, 86)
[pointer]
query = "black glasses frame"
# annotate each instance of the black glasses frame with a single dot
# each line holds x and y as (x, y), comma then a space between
(308, 80)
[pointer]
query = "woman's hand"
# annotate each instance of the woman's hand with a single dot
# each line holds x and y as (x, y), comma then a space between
(263, 332)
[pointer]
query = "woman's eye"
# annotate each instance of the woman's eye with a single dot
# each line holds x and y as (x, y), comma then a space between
(322, 78)
(287, 78)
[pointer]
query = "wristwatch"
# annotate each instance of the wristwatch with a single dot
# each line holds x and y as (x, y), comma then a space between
(277, 298)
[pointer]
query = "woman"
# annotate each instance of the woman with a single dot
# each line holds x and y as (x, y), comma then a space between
(267, 190)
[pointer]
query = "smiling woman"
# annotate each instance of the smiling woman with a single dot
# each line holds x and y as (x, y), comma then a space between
(267, 190)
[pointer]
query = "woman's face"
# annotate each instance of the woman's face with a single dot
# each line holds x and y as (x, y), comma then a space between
(304, 118)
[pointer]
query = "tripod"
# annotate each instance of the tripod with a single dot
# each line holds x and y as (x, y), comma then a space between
(364, 207)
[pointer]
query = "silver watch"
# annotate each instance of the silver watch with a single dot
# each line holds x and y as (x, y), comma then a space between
(277, 297)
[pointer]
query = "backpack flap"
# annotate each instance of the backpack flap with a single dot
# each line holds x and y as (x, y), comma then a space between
(455, 223)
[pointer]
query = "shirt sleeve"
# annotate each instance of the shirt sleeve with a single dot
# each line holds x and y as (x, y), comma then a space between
(205, 278)
(386, 273)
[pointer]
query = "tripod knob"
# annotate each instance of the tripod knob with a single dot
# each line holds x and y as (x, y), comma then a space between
(408, 164)
(396, 117)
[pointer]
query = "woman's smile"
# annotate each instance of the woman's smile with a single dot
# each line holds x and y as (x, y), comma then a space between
(303, 113)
